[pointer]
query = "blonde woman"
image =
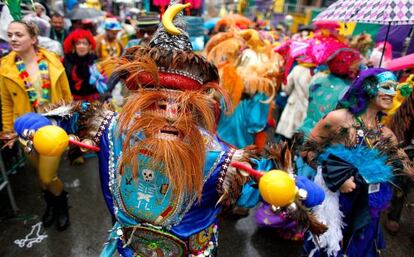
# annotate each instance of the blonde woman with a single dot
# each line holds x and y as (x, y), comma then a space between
(31, 77)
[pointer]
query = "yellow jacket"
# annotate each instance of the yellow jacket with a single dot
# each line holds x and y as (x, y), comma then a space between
(14, 99)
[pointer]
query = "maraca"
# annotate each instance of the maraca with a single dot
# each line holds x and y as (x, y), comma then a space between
(52, 140)
(276, 187)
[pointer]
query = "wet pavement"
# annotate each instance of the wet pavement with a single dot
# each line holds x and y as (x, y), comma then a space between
(90, 222)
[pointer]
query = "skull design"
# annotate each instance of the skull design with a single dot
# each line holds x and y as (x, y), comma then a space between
(148, 175)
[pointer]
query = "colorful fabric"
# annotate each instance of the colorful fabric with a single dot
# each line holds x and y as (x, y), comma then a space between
(150, 201)
(393, 12)
(74, 36)
(36, 97)
(363, 88)
(324, 94)
(13, 91)
(107, 49)
(340, 62)
(240, 127)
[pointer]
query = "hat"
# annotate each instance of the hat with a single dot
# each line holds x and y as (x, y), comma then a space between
(112, 24)
(70, 41)
(177, 66)
(342, 59)
(364, 88)
(147, 20)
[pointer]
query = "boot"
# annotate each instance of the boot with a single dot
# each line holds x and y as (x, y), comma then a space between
(62, 211)
(50, 214)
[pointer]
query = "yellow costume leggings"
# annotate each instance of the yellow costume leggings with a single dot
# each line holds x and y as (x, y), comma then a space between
(47, 169)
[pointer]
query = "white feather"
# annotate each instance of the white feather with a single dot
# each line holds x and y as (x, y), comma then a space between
(329, 214)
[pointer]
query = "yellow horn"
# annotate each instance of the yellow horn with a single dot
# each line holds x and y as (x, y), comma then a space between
(168, 17)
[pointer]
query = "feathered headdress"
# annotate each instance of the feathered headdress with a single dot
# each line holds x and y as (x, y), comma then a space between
(168, 60)
(364, 88)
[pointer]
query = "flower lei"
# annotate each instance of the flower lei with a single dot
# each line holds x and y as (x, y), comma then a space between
(44, 75)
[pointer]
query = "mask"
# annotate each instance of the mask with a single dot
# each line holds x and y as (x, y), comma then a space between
(388, 88)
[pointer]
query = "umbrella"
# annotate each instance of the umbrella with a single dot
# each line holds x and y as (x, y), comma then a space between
(84, 13)
(390, 12)
(401, 63)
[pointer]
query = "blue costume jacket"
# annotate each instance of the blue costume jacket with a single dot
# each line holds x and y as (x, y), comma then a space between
(159, 220)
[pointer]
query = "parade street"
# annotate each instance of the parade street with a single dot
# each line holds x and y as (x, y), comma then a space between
(90, 222)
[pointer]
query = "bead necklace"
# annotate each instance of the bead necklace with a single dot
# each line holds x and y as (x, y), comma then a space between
(363, 133)
(45, 80)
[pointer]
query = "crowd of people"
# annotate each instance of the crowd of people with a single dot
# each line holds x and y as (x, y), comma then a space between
(315, 104)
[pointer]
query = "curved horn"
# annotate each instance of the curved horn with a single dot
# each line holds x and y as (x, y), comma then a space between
(168, 17)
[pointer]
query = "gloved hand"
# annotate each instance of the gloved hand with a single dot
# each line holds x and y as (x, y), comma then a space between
(315, 196)
(30, 121)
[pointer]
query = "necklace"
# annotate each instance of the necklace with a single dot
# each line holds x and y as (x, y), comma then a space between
(44, 76)
(363, 133)
(111, 48)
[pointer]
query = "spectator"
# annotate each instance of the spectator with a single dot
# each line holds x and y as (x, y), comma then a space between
(86, 83)
(58, 32)
(107, 44)
(31, 77)
(146, 26)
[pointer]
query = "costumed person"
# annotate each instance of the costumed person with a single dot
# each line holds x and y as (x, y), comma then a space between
(30, 78)
(165, 174)
(297, 88)
(145, 26)
(284, 221)
(108, 46)
(325, 92)
(85, 80)
(248, 69)
(357, 158)
(309, 54)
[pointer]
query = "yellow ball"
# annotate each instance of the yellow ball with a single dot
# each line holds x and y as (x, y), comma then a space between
(277, 188)
(50, 140)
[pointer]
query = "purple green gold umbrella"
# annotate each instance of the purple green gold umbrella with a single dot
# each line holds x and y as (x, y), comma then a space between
(389, 12)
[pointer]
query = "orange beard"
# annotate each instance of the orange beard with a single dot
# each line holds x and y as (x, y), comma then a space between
(179, 155)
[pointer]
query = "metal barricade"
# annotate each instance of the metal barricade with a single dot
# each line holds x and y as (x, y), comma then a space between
(4, 180)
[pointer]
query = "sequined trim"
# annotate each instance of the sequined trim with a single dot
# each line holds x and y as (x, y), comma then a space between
(111, 164)
(182, 73)
(108, 117)
(223, 170)
(203, 242)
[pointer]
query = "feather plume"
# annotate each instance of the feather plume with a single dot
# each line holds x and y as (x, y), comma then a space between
(403, 121)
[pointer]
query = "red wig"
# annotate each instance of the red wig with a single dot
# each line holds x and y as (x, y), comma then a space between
(74, 36)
